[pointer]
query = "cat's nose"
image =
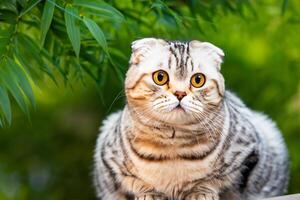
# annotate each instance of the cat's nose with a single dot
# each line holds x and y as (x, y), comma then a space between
(180, 95)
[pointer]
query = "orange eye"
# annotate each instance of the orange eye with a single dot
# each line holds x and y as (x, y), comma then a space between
(160, 77)
(198, 80)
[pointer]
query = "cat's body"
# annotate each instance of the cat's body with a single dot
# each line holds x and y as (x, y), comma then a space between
(218, 150)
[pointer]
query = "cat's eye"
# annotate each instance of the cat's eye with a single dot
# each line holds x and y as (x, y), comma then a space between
(160, 77)
(198, 80)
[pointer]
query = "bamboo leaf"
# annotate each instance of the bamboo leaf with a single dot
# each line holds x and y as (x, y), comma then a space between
(5, 104)
(22, 2)
(100, 6)
(46, 19)
(10, 82)
(73, 29)
(116, 69)
(96, 32)
(116, 52)
(284, 6)
(35, 53)
(9, 5)
(21, 57)
(31, 4)
(8, 16)
(22, 80)
(29, 44)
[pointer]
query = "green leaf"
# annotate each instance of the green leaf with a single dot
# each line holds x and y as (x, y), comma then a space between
(5, 104)
(22, 2)
(35, 53)
(3, 43)
(73, 29)
(116, 69)
(284, 6)
(101, 7)
(116, 52)
(22, 80)
(54, 61)
(8, 16)
(11, 83)
(32, 47)
(21, 58)
(96, 32)
(9, 5)
(30, 5)
(46, 19)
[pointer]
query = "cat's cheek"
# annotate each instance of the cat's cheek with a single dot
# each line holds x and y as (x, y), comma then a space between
(211, 94)
(191, 105)
(213, 98)
(139, 92)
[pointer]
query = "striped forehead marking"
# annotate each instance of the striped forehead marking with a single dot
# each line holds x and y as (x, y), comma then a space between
(181, 52)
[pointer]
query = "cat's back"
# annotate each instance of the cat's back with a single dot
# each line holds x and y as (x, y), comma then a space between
(108, 135)
(109, 125)
(272, 168)
(275, 155)
(109, 131)
(107, 148)
(267, 130)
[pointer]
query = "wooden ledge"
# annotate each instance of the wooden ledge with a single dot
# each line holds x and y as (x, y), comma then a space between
(288, 197)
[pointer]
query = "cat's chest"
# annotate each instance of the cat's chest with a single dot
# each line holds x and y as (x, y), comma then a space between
(169, 167)
(166, 176)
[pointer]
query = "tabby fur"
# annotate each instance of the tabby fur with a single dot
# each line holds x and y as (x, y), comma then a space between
(216, 149)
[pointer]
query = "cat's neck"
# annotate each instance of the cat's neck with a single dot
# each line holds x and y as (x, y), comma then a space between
(154, 140)
(211, 125)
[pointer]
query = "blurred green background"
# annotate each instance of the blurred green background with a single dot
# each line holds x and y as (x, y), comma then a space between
(47, 152)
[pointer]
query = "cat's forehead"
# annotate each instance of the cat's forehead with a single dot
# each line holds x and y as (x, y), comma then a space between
(179, 58)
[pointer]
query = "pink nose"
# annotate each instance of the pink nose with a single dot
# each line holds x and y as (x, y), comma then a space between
(180, 94)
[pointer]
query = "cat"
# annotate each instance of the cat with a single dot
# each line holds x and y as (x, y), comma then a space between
(182, 136)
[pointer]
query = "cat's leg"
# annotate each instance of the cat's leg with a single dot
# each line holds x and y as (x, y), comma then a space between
(151, 197)
(141, 190)
(202, 192)
(202, 196)
(270, 176)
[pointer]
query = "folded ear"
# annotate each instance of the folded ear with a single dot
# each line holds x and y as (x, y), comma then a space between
(216, 53)
(141, 47)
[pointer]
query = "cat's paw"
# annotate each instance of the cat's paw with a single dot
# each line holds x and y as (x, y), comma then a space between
(150, 197)
(201, 196)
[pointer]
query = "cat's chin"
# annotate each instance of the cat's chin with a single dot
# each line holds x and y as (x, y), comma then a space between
(177, 116)
(179, 109)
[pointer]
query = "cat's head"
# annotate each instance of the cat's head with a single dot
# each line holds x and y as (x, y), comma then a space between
(174, 82)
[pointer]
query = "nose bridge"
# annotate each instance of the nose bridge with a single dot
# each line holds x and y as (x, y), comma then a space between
(178, 85)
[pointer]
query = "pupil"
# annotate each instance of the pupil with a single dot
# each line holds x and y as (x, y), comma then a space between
(160, 77)
(198, 79)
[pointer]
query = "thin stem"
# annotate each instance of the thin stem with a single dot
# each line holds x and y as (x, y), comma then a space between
(28, 9)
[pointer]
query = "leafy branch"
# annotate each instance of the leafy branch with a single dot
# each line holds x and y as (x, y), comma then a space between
(76, 39)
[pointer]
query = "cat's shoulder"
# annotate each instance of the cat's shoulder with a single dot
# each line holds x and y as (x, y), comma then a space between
(111, 121)
(107, 129)
(231, 97)
(265, 126)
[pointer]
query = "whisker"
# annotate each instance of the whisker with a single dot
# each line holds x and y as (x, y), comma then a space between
(118, 96)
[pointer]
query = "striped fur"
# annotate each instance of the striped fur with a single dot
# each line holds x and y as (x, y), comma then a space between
(216, 148)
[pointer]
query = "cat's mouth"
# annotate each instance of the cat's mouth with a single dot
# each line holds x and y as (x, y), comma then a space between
(179, 108)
